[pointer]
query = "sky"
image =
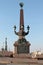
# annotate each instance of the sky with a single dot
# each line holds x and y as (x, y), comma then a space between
(10, 16)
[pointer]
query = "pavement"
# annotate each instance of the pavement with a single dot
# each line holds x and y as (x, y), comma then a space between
(20, 61)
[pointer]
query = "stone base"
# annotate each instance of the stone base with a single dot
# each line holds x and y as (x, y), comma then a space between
(22, 56)
(22, 46)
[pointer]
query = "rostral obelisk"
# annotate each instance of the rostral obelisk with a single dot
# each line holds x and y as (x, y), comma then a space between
(22, 45)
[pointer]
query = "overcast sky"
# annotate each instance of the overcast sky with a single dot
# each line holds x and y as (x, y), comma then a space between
(10, 16)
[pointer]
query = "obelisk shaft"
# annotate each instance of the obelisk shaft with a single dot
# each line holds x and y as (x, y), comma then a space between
(21, 19)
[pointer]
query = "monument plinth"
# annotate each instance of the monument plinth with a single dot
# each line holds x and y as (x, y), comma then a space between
(22, 45)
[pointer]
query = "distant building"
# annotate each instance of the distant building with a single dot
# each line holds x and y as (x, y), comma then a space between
(39, 57)
(6, 53)
(35, 54)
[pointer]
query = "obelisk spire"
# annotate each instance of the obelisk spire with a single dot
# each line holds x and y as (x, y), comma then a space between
(6, 43)
(21, 17)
